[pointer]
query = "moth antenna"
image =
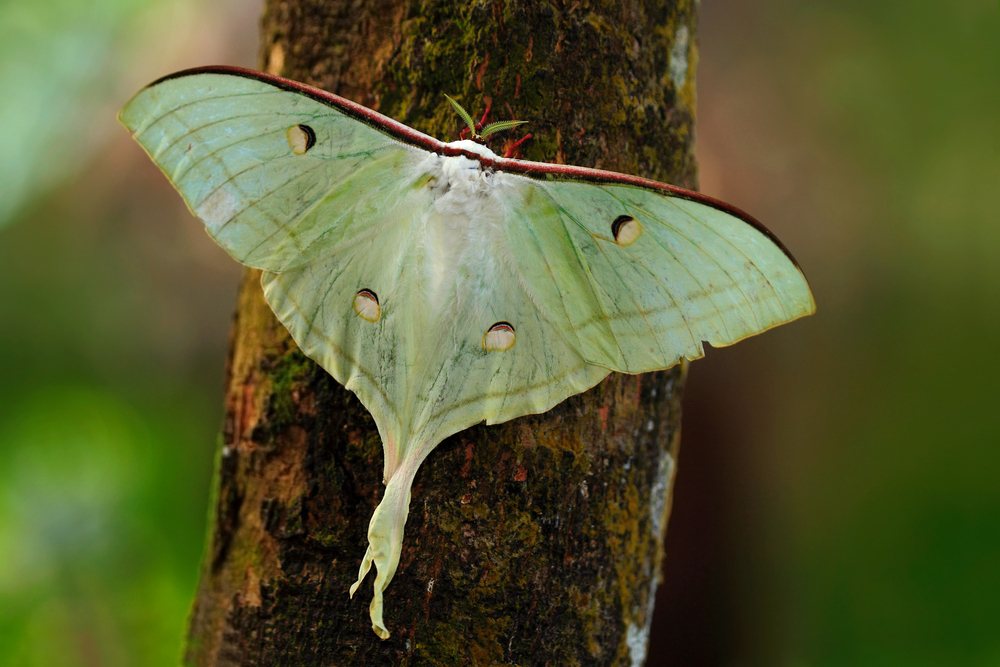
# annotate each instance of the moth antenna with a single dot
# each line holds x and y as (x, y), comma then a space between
(464, 114)
(482, 121)
(500, 126)
(510, 151)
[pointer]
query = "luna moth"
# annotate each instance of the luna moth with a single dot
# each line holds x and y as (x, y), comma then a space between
(441, 283)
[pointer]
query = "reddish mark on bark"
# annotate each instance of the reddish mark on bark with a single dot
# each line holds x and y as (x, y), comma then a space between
(307, 405)
(636, 396)
(467, 466)
(251, 588)
(602, 412)
(498, 17)
(517, 87)
(521, 474)
(482, 70)
(503, 517)
(245, 413)
(528, 54)
(526, 438)
(534, 603)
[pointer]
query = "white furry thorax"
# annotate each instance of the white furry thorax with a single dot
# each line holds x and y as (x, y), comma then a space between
(463, 226)
(460, 186)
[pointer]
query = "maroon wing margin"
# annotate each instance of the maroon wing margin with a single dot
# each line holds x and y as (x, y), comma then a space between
(361, 113)
(544, 171)
(538, 170)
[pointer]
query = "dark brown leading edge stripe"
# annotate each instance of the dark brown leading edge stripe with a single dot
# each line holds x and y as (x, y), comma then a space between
(356, 111)
(537, 170)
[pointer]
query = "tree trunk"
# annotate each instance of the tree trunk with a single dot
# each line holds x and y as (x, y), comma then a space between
(535, 542)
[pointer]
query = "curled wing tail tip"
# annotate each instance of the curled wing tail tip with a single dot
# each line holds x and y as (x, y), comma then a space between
(385, 541)
(378, 625)
(366, 564)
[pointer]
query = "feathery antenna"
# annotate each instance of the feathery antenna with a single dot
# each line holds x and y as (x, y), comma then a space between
(476, 130)
(464, 114)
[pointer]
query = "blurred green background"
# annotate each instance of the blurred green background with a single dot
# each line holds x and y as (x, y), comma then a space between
(837, 500)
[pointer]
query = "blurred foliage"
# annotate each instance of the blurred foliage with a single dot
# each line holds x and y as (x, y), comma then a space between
(58, 66)
(859, 453)
(99, 535)
(870, 534)
(108, 425)
(900, 549)
(112, 337)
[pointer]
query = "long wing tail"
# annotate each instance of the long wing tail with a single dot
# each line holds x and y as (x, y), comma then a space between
(385, 538)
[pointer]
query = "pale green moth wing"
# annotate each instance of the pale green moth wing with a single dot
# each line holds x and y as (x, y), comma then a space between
(442, 284)
(423, 367)
(680, 272)
(225, 142)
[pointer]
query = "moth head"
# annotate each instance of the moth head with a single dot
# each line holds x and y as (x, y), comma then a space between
(477, 131)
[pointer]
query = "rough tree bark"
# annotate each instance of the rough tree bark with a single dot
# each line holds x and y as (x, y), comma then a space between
(536, 542)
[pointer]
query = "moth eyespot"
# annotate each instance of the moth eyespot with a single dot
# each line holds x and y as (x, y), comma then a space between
(300, 138)
(626, 230)
(366, 305)
(499, 337)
